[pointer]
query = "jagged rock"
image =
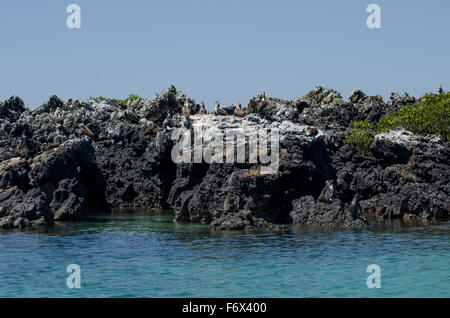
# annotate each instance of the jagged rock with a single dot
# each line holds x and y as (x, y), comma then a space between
(11, 109)
(167, 104)
(59, 184)
(51, 106)
(396, 101)
(370, 108)
(308, 211)
(357, 96)
(70, 200)
(272, 108)
(417, 199)
(408, 176)
(244, 221)
(397, 146)
(13, 172)
(325, 108)
(321, 96)
(49, 163)
(205, 192)
(22, 209)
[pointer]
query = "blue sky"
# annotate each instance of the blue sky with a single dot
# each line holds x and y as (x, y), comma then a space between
(221, 50)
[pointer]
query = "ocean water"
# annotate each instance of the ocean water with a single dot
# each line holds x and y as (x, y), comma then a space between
(145, 255)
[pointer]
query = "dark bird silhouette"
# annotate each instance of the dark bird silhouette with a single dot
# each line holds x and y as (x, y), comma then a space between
(238, 112)
(219, 111)
(186, 109)
(355, 209)
(327, 193)
(312, 131)
(202, 109)
(50, 146)
(86, 131)
(53, 119)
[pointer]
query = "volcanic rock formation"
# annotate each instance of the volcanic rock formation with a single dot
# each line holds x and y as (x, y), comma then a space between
(67, 160)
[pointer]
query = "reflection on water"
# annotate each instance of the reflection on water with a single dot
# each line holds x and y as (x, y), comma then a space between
(146, 255)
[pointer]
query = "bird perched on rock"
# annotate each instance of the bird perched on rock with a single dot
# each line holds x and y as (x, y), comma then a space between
(186, 109)
(327, 193)
(53, 119)
(202, 109)
(238, 112)
(60, 129)
(50, 146)
(2, 211)
(294, 115)
(355, 209)
(86, 131)
(440, 90)
(59, 139)
(311, 131)
(263, 96)
(219, 111)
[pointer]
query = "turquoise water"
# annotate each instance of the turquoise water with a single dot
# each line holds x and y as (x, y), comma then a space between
(142, 255)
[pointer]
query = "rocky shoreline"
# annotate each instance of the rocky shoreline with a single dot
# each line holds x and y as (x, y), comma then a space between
(67, 160)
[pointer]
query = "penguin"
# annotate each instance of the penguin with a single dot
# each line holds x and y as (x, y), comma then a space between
(238, 112)
(219, 111)
(3, 211)
(327, 193)
(202, 109)
(186, 109)
(355, 209)
(86, 131)
(440, 90)
(263, 96)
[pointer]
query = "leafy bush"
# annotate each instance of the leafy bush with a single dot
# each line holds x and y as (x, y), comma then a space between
(361, 136)
(130, 98)
(124, 102)
(99, 99)
(430, 115)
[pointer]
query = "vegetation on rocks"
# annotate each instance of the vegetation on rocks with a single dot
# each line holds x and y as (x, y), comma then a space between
(430, 115)
(361, 136)
(130, 98)
(67, 160)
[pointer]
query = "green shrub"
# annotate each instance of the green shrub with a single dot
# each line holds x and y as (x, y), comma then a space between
(124, 102)
(99, 99)
(430, 115)
(361, 136)
(387, 122)
(130, 98)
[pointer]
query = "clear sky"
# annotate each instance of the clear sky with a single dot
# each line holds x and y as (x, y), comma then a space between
(227, 50)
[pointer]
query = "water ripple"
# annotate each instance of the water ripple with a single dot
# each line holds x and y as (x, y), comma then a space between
(150, 256)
